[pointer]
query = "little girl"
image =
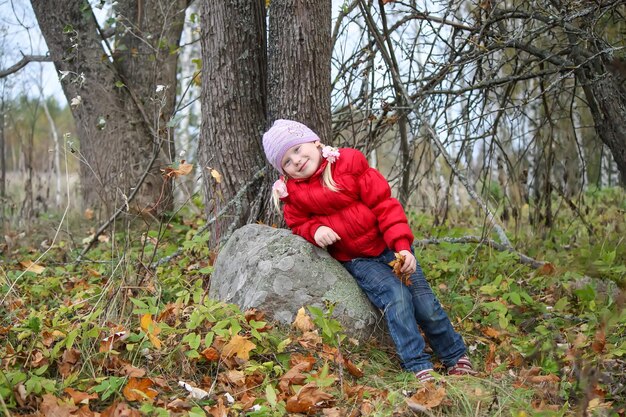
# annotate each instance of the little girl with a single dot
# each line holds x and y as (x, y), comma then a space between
(332, 198)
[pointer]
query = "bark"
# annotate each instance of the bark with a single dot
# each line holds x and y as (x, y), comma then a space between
(120, 120)
(233, 109)
(607, 102)
(299, 63)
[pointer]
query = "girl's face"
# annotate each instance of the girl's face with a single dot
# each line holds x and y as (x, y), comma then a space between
(301, 161)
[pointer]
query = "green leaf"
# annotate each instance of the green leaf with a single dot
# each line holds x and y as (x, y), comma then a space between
(270, 393)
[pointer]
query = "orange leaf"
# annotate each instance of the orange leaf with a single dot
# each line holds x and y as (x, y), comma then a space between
(33, 267)
(182, 169)
(352, 368)
(152, 330)
(80, 396)
(308, 399)
(546, 269)
(139, 389)
(238, 346)
(396, 264)
(211, 354)
(426, 397)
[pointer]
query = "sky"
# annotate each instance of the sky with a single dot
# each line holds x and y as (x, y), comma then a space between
(22, 37)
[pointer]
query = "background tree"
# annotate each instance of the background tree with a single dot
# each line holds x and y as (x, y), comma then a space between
(538, 87)
(113, 84)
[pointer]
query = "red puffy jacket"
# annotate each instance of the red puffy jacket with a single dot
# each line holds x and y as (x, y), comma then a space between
(362, 212)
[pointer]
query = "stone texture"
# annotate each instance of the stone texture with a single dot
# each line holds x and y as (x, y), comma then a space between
(278, 272)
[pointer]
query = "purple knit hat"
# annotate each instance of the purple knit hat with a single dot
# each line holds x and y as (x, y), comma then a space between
(283, 135)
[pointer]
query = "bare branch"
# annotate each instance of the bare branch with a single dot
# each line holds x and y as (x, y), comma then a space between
(26, 59)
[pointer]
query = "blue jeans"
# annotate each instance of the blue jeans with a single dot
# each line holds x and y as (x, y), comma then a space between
(404, 308)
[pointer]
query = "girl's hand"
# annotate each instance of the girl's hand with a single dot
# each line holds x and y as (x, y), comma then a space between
(410, 263)
(325, 236)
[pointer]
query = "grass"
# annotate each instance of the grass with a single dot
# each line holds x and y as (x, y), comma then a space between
(547, 342)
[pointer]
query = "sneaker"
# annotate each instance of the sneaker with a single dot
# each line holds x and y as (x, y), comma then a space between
(462, 367)
(425, 375)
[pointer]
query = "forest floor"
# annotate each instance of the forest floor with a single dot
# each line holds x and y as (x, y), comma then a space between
(117, 335)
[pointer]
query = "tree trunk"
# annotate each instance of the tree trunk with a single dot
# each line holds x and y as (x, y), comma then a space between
(606, 98)
(299, 63)
(120, 118)
(233, 110)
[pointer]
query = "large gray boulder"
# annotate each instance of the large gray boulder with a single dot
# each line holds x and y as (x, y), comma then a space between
(278, 272)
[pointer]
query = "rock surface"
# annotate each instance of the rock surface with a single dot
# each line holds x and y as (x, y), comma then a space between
(278, 272)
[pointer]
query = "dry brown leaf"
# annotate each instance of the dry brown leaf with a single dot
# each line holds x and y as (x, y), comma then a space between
(309, 399)
(218, 410)
(546, 269)
(179, 404)
(109, 342)
(183, 169)
(238, 346)
(120, 410)
(294, 376)
(89, 213)
(79, 396)
(352, 368)
(310, 340)
(84, 411)
(303, 321)
(396, 264)
(139, 389)
(52, 406)
(427, 397)
(599, 340)
(32, 267)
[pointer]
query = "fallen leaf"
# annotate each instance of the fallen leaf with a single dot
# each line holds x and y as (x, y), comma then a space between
(310, 340)
(218, 410)
(79, 396)
(352, 368)
(308, 399)
(120, 410)
(52, 406)
(546, 269)
(238, 346)
(32, 267)
(109, 342)
(211, 354)
(294, 376)
(599, 340)
(303, 321)
(139, 389)
(152, 330)
(426, 398)
(89, 213)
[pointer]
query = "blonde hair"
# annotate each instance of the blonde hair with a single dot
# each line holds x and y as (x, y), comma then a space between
(327, 180)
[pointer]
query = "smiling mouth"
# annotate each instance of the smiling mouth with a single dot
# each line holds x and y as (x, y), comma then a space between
(302, 167)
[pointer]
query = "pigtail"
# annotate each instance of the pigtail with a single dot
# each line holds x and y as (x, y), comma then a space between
(328, 180)
(276, 201)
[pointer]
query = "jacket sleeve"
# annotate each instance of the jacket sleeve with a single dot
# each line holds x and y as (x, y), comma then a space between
(301, 223)
(375, 193)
